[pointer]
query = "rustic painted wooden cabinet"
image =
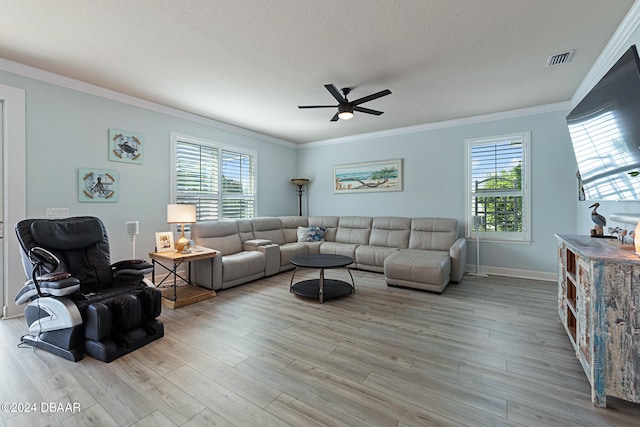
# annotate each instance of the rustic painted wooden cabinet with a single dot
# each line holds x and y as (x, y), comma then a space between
(599, 306)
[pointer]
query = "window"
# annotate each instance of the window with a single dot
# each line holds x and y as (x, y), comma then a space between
(219, 180)
(498, 201)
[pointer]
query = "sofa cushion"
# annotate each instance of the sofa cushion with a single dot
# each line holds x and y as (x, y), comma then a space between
(354, 229)
(243, 264)
(328, 222)
(289, 250)
(419, 266)
(290, 226)
(346, 249)
(373, 256)
(221, 235)
(392, 232)
(269, 228)
(433, 233)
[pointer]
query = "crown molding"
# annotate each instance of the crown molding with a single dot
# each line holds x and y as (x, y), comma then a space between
(619, 42)
(69, 83)
(522, 112)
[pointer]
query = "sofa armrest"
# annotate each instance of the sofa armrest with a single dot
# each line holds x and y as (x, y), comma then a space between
(254, 244)
(272, 253)
(202, 272)
(458, 253)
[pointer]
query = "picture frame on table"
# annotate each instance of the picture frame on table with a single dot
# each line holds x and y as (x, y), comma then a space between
(164, 241)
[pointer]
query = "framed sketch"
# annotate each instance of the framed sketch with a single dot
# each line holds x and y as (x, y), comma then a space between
(97, 185)
(384, 175)
(125, 147)
(164, 241)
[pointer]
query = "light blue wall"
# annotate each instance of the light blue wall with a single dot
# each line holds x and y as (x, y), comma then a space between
(68, 129)
(434, 170)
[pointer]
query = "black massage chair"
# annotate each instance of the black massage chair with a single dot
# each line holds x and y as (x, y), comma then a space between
(78, 302)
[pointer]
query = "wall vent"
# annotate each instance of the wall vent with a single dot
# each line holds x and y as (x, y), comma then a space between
(560, 58)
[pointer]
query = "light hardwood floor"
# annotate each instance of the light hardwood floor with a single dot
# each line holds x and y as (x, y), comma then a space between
(486, 352)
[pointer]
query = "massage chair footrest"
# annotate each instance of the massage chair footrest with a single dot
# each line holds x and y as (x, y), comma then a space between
(73, 355)
(109, 349)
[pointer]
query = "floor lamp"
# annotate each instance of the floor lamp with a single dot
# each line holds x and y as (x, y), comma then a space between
(477, 222)
(300, 183)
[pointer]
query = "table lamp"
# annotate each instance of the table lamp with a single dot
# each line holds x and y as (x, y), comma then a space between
(181, 214)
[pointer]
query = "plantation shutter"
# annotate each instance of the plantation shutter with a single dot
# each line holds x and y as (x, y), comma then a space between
(497, 188)
(238, 186)
(197, 178)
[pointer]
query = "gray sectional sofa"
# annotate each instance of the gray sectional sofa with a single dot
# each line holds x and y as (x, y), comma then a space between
(422, 253)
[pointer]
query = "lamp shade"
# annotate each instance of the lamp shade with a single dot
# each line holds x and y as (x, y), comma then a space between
(300, 181)
(181, 214)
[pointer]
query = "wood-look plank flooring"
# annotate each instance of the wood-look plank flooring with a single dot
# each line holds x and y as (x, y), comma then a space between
(488, 351)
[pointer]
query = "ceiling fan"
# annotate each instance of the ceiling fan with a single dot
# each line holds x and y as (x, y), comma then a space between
(346, 108)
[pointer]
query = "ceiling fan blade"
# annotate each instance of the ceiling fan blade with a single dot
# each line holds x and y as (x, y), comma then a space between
(335, 92)
(368, 110)
(317, 106)
(334, 118)
(372, 97)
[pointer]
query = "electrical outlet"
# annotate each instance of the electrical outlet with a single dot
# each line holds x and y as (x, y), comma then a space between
(57, 212)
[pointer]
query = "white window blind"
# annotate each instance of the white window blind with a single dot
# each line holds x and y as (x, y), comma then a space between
(220, 181)
(238, 186)
(498, 202)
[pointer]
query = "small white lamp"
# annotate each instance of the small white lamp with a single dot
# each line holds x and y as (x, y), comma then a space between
(181, 214)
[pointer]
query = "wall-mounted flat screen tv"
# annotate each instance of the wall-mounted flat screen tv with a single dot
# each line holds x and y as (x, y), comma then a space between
(605, 133)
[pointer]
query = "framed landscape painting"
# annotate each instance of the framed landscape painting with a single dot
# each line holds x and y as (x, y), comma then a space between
(384, 175)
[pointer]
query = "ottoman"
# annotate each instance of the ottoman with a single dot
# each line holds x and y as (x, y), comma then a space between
(419, 269)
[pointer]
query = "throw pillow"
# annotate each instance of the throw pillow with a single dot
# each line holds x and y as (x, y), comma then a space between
(311, 234)
(316, 234)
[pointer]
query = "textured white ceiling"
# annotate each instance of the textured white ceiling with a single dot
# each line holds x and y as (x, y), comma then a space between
(250, 63)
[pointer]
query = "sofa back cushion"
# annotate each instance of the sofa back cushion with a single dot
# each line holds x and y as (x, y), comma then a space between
(222, 235)
(436, 234)
(328, 222)
(354, 229)
(245, 228)
(391, 232)
(290, 226)
(269, 228)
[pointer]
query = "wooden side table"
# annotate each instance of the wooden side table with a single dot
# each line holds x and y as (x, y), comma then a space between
(183, 295)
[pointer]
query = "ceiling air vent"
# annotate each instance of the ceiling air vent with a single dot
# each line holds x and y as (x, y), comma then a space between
(560, 58)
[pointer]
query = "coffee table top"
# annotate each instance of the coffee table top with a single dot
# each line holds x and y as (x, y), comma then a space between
(321, 261)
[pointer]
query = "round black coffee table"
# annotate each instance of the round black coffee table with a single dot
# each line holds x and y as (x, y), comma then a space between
(321, 288)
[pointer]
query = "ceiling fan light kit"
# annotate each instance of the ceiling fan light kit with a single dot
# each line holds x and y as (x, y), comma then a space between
(345, 107)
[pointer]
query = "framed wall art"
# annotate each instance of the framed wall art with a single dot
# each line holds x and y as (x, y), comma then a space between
(164, 241)
(125, 147)
(384, 175)
(97, 185)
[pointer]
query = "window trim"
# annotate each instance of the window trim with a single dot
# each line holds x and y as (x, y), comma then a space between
(501, 237)
(175, 137)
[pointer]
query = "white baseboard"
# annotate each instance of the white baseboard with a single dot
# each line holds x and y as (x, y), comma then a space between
(514, 272)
